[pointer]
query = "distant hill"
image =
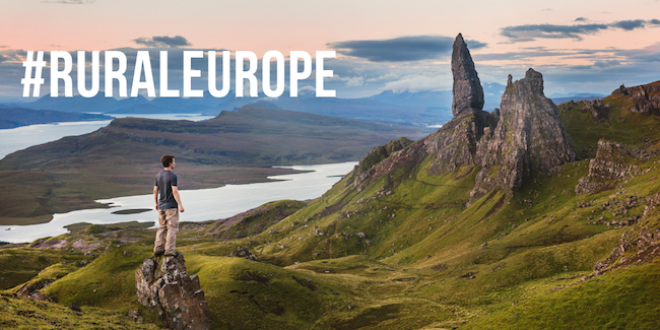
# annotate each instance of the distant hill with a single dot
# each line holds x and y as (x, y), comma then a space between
(425, 99)
(409, 108)
(16, 117)
(122, 158)
(439, 101)
(561, 98)
(421, 108)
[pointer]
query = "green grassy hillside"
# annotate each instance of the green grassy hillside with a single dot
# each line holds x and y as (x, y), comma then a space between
(406, 252)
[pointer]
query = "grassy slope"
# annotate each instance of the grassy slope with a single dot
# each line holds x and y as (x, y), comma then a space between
(122, 159)
(28, 314)
(423, 261)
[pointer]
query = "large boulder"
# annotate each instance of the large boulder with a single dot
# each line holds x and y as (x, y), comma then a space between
(176, 296)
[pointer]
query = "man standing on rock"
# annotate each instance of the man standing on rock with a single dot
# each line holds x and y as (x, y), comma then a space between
(168, 204)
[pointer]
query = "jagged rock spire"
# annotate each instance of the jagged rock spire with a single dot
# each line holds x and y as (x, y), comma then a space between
(468, 93)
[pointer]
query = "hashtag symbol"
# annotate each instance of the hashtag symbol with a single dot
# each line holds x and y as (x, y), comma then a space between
(37, 81)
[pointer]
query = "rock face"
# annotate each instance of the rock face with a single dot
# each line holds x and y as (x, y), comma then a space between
(455, 144)
(176, 295)
(645, 98)
(529, 135)
(610, 164)
(468, 93)
(365, 168)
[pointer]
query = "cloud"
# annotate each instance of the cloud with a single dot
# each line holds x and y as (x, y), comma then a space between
(70, 2)
(647, 54)
(606, 64)
(629, 25)
(530, 32)
(163, 41)
(3, 58)
(410, 48)
(534, 52)
(387, 76)
(355, 81)
(416, 83)
(17, 55)
(580, 19)
(580, 67)
(306, 90)
(652, 57)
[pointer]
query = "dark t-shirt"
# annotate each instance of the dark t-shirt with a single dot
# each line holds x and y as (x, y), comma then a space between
(164, 181)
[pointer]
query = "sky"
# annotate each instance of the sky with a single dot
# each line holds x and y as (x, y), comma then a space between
(579, 46)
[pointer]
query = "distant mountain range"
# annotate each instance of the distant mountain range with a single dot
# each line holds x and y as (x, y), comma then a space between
(409, 108)
(561, 98)
(16, 117)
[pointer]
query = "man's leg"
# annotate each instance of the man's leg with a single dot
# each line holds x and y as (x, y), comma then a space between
(172, 228)
(161, 232)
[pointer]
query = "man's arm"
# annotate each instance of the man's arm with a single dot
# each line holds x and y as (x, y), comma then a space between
(156, 197)
(175, 192)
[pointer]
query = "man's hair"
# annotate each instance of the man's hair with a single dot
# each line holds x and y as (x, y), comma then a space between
(166, 160)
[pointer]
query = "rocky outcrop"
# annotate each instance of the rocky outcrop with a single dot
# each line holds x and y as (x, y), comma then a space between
(242, 252)
(645, 98)
(82, 246)
(597, 109)
(53, 244)
(176, 295)
(524, 135)
(32, 290)
(453, 146)
(529, 136)
(644, 238)
(365, 168)
(468, 93)
(611, 163)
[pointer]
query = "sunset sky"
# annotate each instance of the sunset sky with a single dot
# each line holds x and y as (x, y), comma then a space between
(579, 46)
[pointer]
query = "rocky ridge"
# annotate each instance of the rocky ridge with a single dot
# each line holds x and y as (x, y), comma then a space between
(646, 98)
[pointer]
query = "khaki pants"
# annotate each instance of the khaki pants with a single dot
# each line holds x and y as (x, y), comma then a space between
(168, 220)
